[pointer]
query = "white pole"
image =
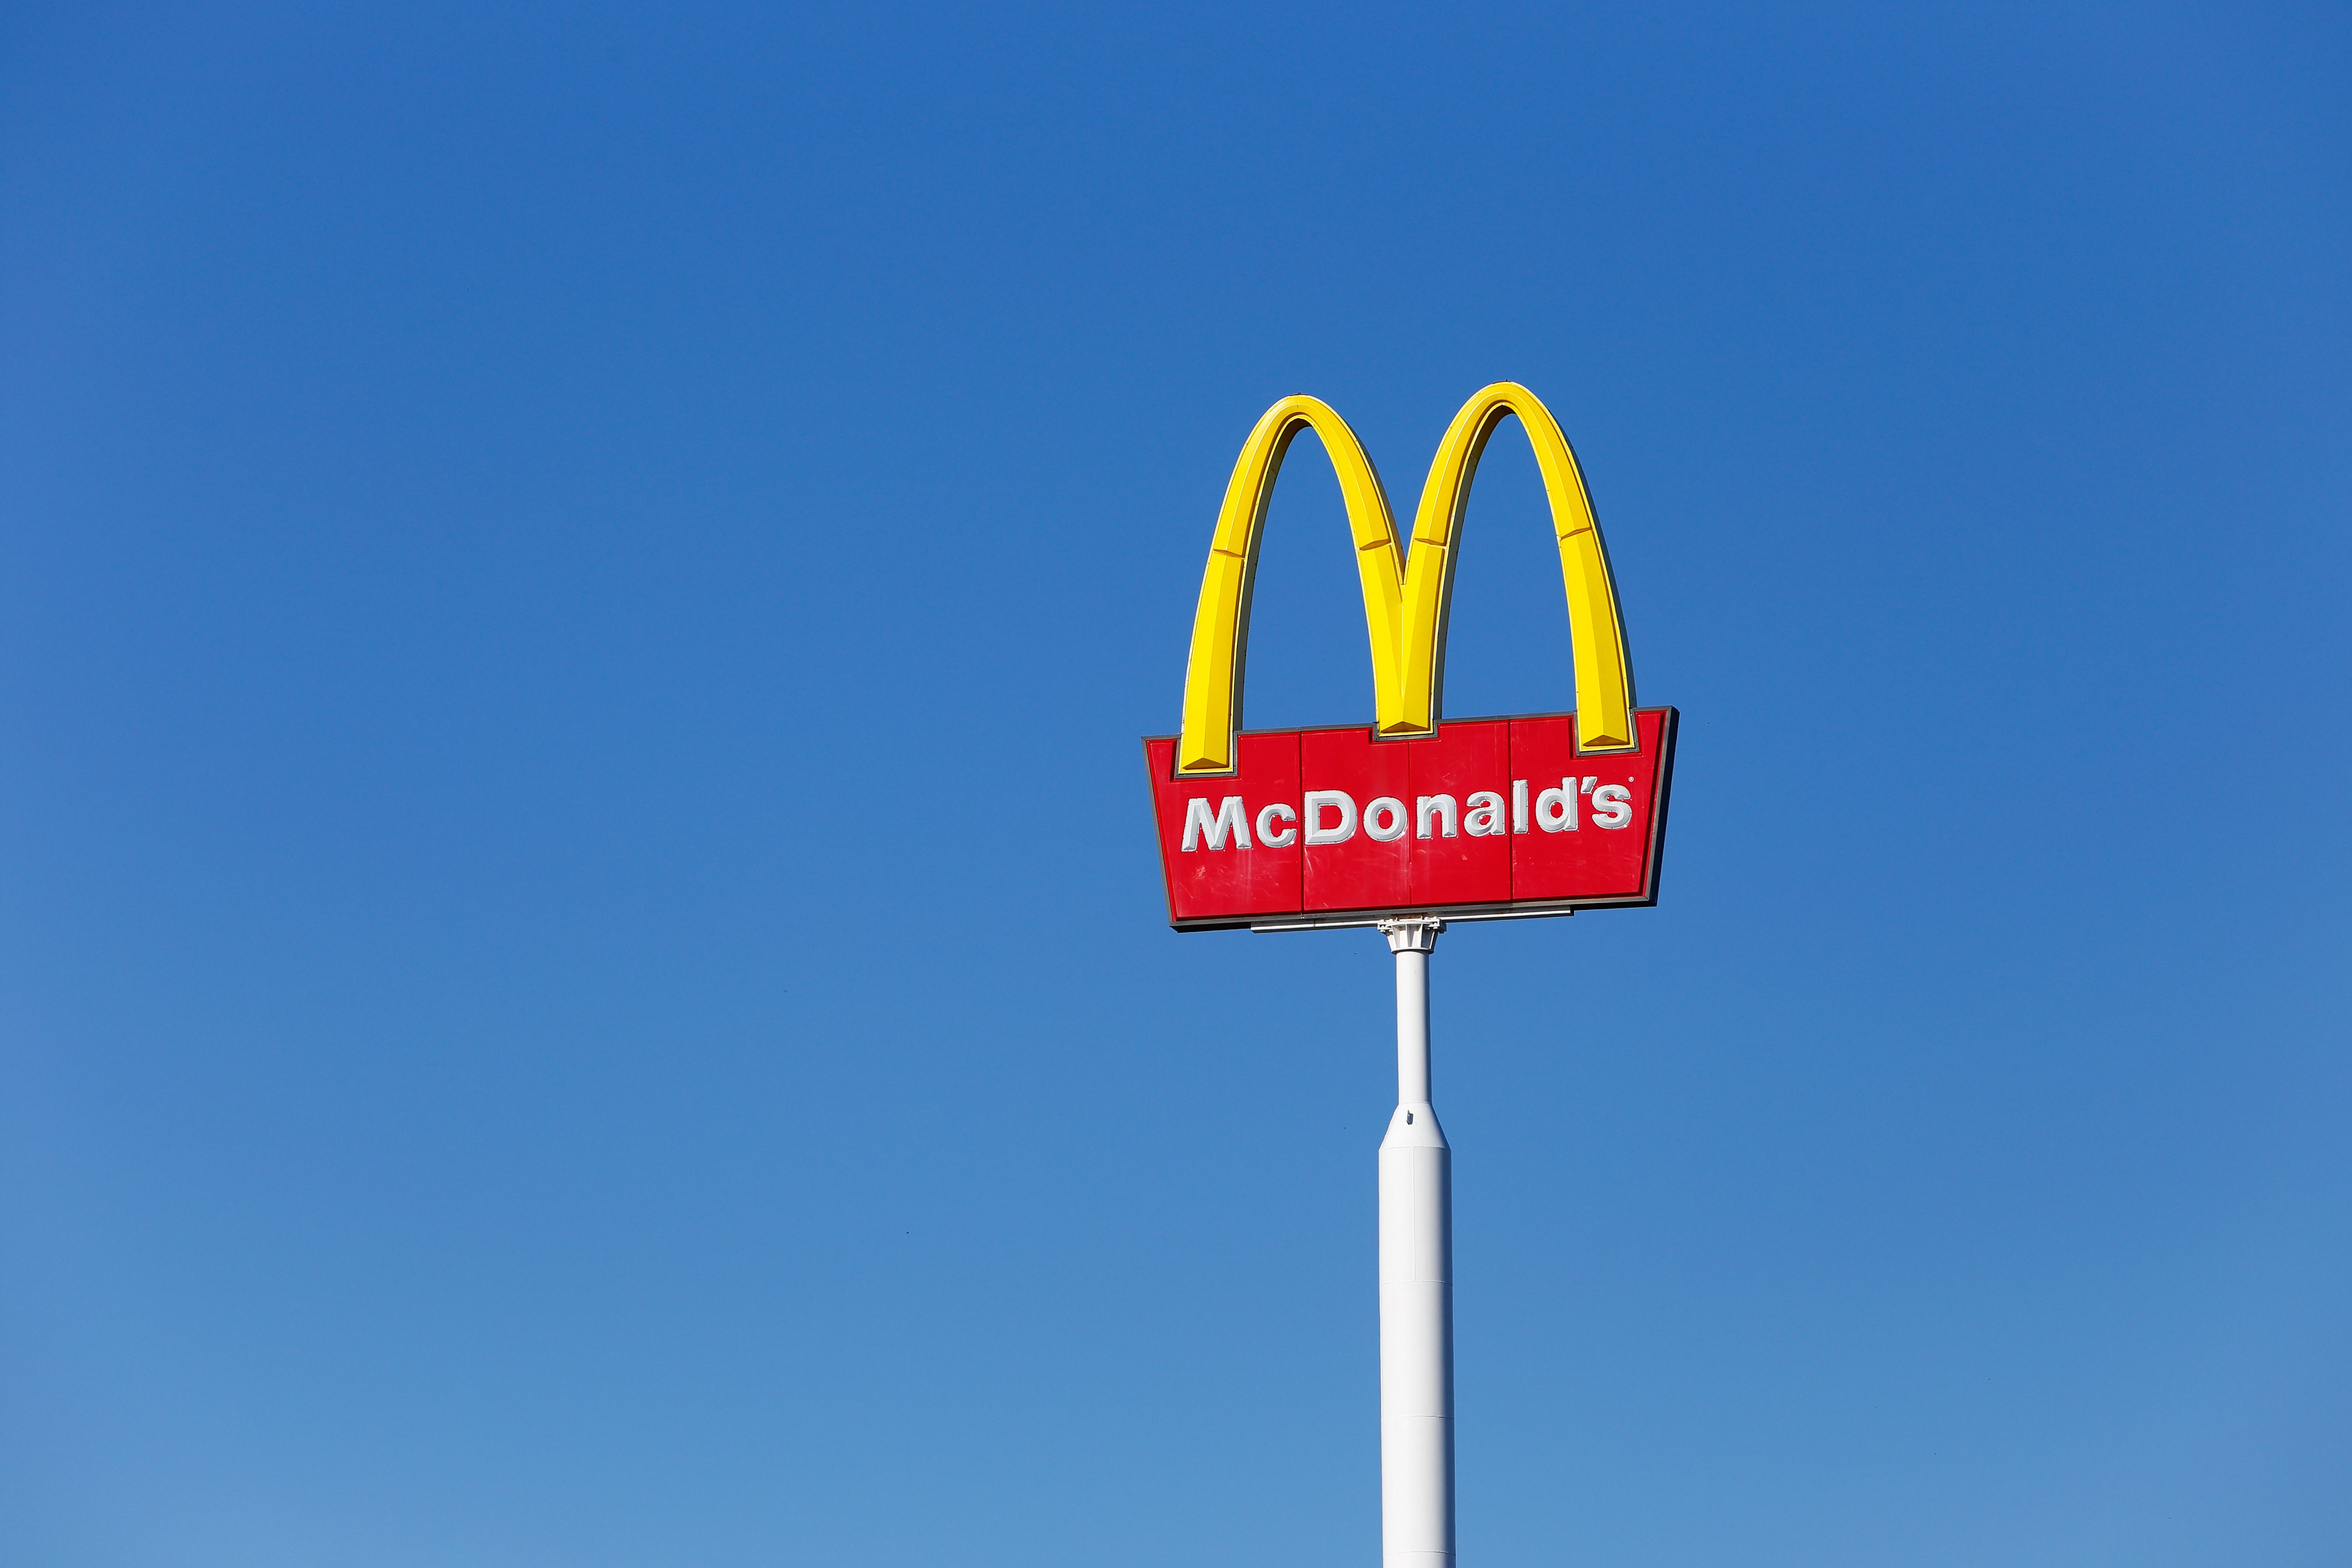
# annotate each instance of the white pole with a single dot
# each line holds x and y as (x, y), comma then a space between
(1416, 1285)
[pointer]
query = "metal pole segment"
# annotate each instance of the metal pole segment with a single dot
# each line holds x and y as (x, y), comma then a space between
(1416, 1284)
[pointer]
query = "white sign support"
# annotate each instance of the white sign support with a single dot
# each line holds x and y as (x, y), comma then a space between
(1416, 1284)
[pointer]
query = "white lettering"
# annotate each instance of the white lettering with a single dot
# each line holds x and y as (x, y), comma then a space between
(1438, 805)
(1485, 816)
(1613, 807)
(1556, 808)
(1329, 816)
(1227, 822)
(1340, 801)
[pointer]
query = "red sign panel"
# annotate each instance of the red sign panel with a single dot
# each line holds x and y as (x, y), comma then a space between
(1497, 816)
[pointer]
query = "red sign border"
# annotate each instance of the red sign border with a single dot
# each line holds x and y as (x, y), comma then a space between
(1652, 862)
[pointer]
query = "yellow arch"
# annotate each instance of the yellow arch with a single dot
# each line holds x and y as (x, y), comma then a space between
(1405, 607)
(1212, 678)
(1604, 675)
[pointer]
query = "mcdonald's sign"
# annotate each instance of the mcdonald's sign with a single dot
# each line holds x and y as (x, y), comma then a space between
(1475, 818)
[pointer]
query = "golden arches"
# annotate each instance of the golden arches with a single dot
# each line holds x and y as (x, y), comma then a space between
(1406, 601)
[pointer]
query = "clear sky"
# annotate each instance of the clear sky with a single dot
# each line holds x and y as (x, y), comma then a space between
(582, 974)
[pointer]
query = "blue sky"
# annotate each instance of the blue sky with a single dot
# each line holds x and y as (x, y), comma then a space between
(583, 977)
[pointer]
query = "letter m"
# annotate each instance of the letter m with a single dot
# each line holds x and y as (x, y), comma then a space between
(1228, 820)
